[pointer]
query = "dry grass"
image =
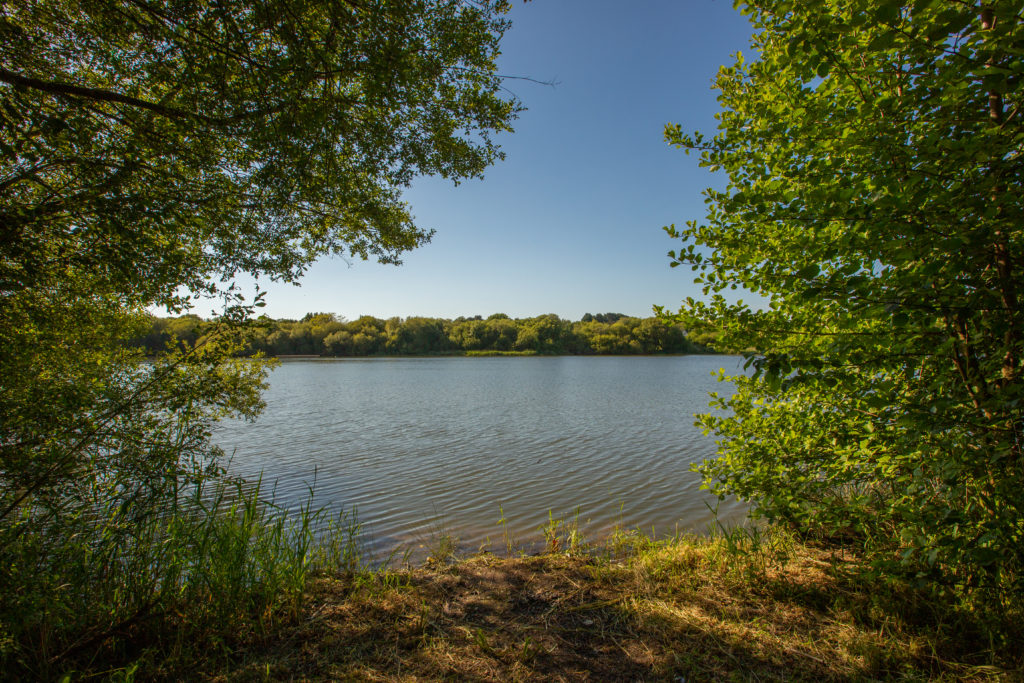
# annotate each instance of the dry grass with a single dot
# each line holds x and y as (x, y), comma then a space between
(690, 610)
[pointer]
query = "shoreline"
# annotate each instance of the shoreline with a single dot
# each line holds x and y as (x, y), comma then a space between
(737, 607)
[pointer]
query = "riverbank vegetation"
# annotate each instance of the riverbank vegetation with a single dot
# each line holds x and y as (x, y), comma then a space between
(874, 159)
(322, 334)
(730, 607)
(267, 601)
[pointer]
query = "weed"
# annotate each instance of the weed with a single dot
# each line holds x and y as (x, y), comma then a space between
(507, 538)
(528, 652)
(442, 544)
(562, 536)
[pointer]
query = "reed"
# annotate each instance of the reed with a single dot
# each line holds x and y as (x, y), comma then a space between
(563, 535)
(121, 585)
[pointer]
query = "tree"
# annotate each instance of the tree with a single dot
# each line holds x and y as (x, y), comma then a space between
(874, 200)
(546, 334)
(338, 343)
(151, 146)
(163, 143)
(655, 336)
(473, 335)
(414, 336)
(152, 150)
(504, 331)
(368, 335)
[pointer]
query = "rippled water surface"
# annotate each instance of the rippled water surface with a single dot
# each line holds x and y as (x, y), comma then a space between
(423, 446)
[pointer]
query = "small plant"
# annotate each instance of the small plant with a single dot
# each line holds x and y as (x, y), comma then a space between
(575, 544)
(442, 544)
(480, 639)
(507, 538)
(552, 538)
(529, 651)
(560, 535)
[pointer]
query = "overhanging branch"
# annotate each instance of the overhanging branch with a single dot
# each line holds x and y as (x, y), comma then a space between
(99, 94)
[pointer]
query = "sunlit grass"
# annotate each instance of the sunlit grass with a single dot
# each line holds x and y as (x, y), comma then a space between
(747, 603)
(248, 592)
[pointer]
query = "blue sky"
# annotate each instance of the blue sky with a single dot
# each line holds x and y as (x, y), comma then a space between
(571, 221)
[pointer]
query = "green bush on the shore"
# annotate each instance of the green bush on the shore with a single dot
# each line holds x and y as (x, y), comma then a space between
(874, 202)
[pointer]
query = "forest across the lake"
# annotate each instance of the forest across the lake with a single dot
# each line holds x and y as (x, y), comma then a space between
(325, 334)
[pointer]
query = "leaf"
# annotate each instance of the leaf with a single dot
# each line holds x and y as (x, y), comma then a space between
(809, 271)
(881, 42)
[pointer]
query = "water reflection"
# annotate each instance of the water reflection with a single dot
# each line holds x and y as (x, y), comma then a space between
(419, 446)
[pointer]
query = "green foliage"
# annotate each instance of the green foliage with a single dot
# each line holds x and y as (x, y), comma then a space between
(222, 564)
(150, 151)
(874, 200)
(324, 335)
(162, 143)
(417, 335)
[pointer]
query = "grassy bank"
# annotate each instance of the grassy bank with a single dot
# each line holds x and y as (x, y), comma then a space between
(738, 606)
(693, 609)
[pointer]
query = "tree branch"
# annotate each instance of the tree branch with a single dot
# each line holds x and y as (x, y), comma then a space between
(70, 90)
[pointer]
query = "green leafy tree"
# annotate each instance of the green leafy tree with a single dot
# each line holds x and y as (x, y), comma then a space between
(596, 336)
(193, 139)
(338, 343)
(150, 149)
(368, 335)
(324, 334)
(415, 336)
(547, 334)
(300, 339)
(874, 201)
(655, 336)
(473, 335)
(504, 331)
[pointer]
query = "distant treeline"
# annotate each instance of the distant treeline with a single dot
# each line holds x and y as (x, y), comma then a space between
(326, 335)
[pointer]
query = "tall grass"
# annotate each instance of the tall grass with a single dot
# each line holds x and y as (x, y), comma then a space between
(111, 587)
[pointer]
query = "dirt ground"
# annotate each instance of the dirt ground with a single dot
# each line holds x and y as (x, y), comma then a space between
(677, 613)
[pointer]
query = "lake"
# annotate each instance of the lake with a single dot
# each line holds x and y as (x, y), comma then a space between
(423, 446)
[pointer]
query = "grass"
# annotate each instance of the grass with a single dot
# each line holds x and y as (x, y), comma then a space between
(277, 600)
(122, 590)
(742, 605)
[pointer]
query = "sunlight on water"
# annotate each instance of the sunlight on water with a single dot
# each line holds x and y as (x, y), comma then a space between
(439, 445)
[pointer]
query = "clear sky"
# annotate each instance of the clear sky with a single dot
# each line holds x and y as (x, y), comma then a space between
(571, 221)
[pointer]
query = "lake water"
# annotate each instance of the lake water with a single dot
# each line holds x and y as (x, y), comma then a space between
(442, 445)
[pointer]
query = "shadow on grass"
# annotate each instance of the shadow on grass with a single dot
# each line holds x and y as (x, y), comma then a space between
(678, 611)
